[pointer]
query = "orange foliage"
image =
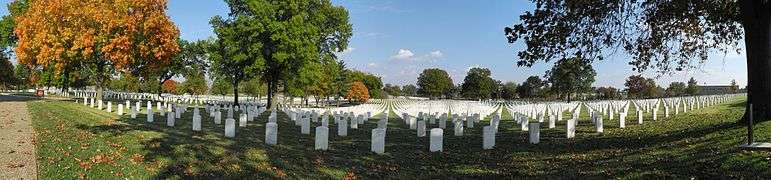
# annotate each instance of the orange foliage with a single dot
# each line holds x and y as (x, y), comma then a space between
(170, 86)
(58, 32)
(358, 92)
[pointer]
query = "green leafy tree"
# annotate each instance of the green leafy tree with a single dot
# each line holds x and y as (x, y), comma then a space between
(478, 84)
(607, 93)
(509, 91)
(409, 90)
(374, 83)
(191, 57)
(531, 88)
(281, 37)
(734, 88)
(434, 83)
(23, 76)
(676, 89)
(7, 23)
(221, 86)
(393, 90)
(252, 87)
(571, 75)
(7, 78)
(340, 81)
(693, 87)
(640, 87)
(665, 35)
(195, 83)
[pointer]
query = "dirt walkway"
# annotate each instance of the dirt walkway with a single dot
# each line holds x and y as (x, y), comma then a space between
(17, 139)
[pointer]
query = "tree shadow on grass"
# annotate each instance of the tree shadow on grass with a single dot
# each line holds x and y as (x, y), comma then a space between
(179, 152)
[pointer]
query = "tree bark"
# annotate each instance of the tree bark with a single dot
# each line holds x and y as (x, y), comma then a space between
(755, 20)
(271, 84)
(235, 92)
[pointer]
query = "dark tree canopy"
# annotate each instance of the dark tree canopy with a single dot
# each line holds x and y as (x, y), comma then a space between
(665, 35)
(509, 90)
(676, 89)
(373, 83)
(571, 75)
(641, 87)
(409, 90)
(282, 39)
(693, 87)
(434, 83)
(393, 90)
(734, 88)
(532, 87)
(608, 93)
(478, 84)
(7, 78)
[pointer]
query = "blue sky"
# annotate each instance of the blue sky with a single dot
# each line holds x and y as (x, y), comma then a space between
(397, 39)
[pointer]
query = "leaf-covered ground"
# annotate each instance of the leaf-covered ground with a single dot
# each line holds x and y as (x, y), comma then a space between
(76, 141)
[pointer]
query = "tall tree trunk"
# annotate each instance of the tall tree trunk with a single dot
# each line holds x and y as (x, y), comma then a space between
(235, 92)
(160, 87)
(755, 19)
(271, 84)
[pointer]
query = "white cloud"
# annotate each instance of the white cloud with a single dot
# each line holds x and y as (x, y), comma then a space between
(408, 55)
(436, 54)
(348, 50)
(403, 54)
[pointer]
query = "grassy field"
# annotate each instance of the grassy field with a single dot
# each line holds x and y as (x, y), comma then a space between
(76, 141)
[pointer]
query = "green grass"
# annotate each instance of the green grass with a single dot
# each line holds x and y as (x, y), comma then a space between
(77, 141)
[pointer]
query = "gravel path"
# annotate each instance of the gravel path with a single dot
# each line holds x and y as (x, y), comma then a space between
(17, 139)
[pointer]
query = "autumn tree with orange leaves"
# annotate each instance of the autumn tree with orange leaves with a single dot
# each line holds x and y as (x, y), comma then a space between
(99, 36)
(358, 92)
(170, 86)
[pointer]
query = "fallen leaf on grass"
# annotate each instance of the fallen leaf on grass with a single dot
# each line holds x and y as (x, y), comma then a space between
(137, 158)
(350, 176)
(15, 165)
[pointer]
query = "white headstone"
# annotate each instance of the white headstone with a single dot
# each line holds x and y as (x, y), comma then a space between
(217, 117)
(378, 140)
(271, 133)
(412, 122)
(120, 109)
(436, 139)
(196, 122)
(639, 117)
(552, 122)
(355, 122)
(421, 128)
(230, 127)
(305, 126)
(488, 137)
(242, 120)
(170, 119)
(571, 128)
(458, 128)
(442, 123)
(342, 127)
(325, 120)
(322, 138)
(535, 133)
(134, 112)
(599, 124)
(150, 115)
(622, 120)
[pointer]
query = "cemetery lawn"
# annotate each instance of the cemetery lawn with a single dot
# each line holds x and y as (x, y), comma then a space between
(76, 141)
